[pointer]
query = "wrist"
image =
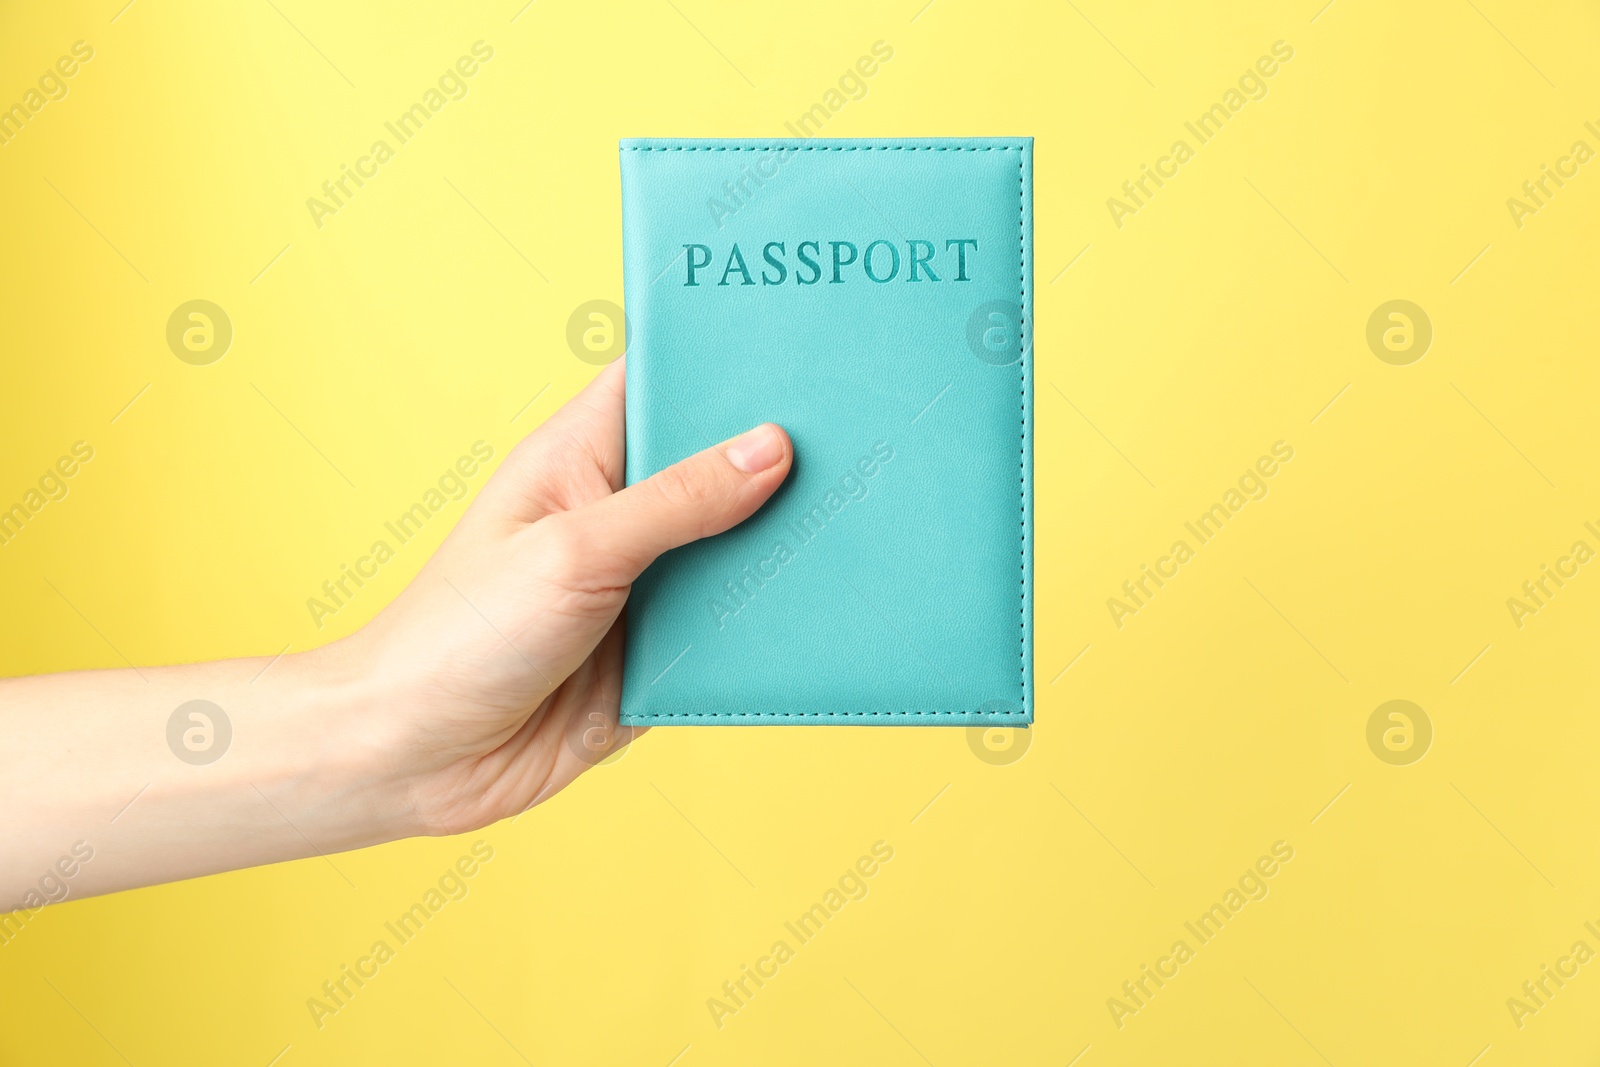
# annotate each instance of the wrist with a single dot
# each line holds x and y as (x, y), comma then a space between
(334, 753)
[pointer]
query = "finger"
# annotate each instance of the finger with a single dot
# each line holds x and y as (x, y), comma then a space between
(594, 417)
(593, 734)
(703, 495)
(574, 456)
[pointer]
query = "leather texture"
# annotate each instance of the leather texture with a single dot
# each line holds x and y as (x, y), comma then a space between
(875, 298)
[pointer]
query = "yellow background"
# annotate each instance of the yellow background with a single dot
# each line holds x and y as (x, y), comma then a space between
(1225, 716)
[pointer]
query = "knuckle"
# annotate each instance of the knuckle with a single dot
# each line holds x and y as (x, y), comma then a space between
(562, 550)
(577, 573)
(684, 485)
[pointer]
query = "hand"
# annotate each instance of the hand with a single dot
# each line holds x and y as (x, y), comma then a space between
(501, 663)
(486, 686)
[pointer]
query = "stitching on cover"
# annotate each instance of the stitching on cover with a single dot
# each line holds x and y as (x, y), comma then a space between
(1022, 434)
(826, 148)
(810, 714)
(1022, 424)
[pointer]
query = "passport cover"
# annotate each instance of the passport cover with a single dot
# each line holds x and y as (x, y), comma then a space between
(874, 298)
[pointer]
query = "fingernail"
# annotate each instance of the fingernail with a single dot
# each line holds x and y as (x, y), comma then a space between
(756, 450)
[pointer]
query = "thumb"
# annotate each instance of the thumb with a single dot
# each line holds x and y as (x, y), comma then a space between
(707, 493)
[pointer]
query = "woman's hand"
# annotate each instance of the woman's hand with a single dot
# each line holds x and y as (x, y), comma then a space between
(501, 663)
(491, 682)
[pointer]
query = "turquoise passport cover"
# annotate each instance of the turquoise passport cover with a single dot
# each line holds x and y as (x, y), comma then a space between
(874, 298)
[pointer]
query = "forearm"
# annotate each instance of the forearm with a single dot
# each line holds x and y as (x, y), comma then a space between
(98, 797)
